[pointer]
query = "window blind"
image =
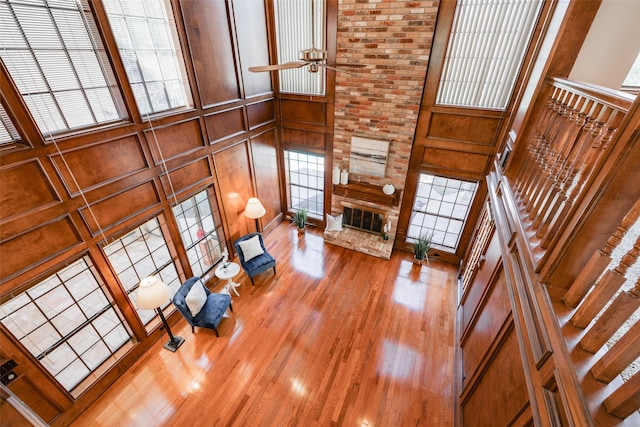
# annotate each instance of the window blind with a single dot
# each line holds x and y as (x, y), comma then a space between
(486, 47)
(293, 34)
(54, 54)
(8, 132)
(149, 48)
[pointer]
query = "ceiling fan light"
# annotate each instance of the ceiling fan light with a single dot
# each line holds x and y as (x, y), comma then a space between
(313, 55)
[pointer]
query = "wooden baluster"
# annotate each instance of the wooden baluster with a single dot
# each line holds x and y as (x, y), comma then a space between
(618, 312)
(626, 399)
(536, 142)
(616, 360)
(577, 158)
(544, 152)
(599, 260)
(604, 290)
(583, 175)
(552, 158)
(547, 207)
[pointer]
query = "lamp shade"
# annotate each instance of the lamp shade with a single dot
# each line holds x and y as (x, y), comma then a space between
(254, 208)
(152, 293)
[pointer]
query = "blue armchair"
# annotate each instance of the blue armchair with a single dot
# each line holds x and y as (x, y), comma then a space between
(257, 264)
(211, 312)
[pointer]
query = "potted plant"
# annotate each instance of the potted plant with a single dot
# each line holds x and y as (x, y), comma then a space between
(421, 248)
(299, 218)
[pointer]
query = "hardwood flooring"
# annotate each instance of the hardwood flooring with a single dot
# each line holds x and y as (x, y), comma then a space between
(336, 337)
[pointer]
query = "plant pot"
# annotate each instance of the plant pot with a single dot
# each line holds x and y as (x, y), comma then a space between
(301, 231)
(417, 261)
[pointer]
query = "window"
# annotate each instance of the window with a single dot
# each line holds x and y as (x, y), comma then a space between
(143, 252)
(305, 181)
(441, 207)
(68, 323)
(293, 34)
(54, 55)
(486, 47)
(148, 44)
(8, 132)
(633, 78)
(198, 229)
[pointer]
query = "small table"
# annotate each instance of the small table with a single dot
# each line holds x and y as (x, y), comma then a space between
(227, 273)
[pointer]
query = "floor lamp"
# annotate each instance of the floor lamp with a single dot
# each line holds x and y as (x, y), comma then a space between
(152, 294)
(254, 210)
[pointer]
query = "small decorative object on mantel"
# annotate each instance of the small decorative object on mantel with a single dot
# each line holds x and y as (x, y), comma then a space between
(300, 220)
(386, 229)
(344, 177)
(335, 176)
(388, 189)
(421, 248)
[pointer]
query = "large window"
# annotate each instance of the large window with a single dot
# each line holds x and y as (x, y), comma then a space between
(56, 59)
(198, 229)
(68, 323)
(486, 47)
(143, 252)
(440, 209)
(305, 181)
(294, 34)
(147, 40)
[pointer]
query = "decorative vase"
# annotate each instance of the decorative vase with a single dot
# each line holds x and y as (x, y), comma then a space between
(335, 176)
(344, 177)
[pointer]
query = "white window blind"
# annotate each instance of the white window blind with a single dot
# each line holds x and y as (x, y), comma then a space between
(54, 55)
(148, 44)
(293, 34)
(485, 51)
(8, 132)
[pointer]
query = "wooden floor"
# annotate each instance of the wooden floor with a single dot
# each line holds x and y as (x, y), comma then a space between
(335, 338)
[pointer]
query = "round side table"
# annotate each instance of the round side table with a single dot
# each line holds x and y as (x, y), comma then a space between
(227, 273)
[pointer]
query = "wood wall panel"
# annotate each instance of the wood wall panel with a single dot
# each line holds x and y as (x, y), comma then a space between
(300, 138)
(486, 326)
(34, 398)
(303, 112)
(187, 176)
(120, 206)
(25, 188)
(211, 50)
(501, 392)
(457, 163)
(117, 159)
(253, 47)
(174, 139)
(224, 124)
(478, 288)
(37, 245)
(261, 113)
(463, 128)
(265, 164)
(234, 177)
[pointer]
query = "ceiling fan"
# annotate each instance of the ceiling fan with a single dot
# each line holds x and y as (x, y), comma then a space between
(313, 57)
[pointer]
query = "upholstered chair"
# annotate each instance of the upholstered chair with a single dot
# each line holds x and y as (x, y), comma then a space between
(253, 255)
(209, 307)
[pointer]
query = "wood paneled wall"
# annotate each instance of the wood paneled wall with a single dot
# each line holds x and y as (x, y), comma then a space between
(65, 200)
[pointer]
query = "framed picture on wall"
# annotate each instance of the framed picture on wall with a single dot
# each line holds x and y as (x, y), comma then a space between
(368, 156)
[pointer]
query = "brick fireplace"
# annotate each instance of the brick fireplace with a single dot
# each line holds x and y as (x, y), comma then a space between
(380, 102)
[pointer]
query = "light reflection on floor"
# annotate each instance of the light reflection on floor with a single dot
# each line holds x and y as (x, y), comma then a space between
(307, 254)
(397, 360)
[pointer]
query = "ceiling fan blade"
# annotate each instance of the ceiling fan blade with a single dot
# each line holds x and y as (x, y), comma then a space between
(276, 67)
(345, 64)
(339, 70)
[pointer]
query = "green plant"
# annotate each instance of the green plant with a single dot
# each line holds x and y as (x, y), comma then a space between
(422, 246)
(299, 218)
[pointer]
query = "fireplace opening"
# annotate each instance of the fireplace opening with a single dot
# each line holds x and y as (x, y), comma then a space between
(363, 218)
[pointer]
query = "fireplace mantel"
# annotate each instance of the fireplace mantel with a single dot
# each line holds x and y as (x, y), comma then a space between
(368, 193)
